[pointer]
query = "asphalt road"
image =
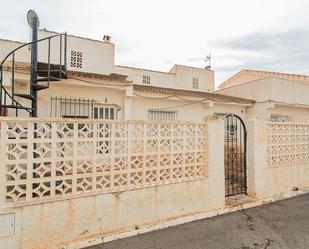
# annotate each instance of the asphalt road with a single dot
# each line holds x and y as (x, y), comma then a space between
(283, 225)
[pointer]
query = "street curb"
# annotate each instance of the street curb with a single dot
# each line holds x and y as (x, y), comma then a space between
(181, 220)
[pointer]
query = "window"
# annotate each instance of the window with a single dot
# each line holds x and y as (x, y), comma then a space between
(71, 107)
(162, 115)
(104, 113)
(146, 79)
(280, 118)
(76, 59)
(195, 84)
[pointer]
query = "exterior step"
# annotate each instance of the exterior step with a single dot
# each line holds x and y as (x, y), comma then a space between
(48, 78)
(17, 107)
(42, 70)
(38, 87)
(52, 73)
(44, 66)
(26, 96)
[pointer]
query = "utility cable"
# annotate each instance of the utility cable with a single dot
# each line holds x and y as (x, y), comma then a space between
(97, 83)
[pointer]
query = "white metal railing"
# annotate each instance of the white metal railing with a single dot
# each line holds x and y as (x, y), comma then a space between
(44, 159)
(287, 144)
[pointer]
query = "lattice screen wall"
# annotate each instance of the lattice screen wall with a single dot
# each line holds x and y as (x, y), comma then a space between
(60, 159)
(287, 144)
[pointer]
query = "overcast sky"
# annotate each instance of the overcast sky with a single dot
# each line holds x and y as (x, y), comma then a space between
(155, 34)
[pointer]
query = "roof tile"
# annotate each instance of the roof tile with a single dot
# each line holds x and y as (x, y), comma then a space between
(207, 95)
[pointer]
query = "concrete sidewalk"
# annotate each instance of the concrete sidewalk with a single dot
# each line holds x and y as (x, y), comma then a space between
(284, 225)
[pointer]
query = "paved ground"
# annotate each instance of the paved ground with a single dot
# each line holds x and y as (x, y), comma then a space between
(283, 225)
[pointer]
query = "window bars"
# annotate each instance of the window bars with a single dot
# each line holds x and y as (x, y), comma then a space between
(164, 115)
(71, 107)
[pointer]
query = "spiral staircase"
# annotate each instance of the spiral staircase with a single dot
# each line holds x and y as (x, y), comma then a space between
(41, 75)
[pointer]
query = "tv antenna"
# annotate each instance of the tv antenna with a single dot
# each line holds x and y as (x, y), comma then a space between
(208, 60)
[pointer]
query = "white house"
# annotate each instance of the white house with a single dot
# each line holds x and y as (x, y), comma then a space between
(278, 96)
(97, 88)
(72, 180)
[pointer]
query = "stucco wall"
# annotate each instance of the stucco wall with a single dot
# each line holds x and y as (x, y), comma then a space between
(185, 75)
(179, 77)
(157, 78)
(131, 106)
(50, 224)
(186, 111)
(296, 114)
(241, 78)
(6, 46)
(259, 90)
(289, 91)
(53, 224)
(71, 89)
(263, 178)
(274, 96)
(275, 89)
(97, 56)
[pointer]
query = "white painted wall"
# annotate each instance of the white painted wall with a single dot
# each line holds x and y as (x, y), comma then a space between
(287, 97)
(179, 77)
(98, 56)
(274, 89)
(157, 78)
(69, 89)
(185, 75)
(6, 46)
(55, 224)
(264, 181)
(186, 111)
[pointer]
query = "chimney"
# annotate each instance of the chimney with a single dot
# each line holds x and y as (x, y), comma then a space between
(107, 38)
(208, 67)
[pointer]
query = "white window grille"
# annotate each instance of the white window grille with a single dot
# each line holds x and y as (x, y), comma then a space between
(71, 107)
(82, 108)
(146, 79)
(76, 59)
(154, 114)
(195, 83)
(280, 118)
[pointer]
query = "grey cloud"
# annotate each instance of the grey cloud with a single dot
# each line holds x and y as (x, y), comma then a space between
(289, 62)
(284, 52)
(293, 40)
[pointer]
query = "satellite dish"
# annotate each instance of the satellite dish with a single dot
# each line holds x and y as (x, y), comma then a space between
(31, 15)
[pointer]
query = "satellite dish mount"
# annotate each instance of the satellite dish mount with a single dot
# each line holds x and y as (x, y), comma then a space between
(33, 19)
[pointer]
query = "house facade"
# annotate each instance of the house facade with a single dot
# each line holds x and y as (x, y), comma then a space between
(279, 96)
(116, 149)
(97, 88)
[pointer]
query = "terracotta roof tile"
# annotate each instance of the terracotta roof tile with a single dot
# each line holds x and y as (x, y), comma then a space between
(211, 96)
(25, 66)
(265, 74)
(117, 77)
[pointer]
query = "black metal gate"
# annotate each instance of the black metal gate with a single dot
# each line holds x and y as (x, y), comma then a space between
(235, 148)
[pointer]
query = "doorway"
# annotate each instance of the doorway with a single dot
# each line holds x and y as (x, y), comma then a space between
(235, 151)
